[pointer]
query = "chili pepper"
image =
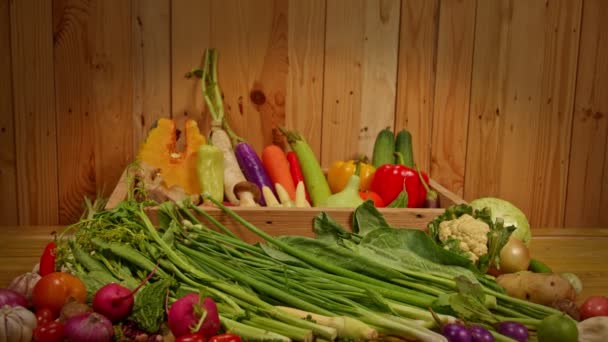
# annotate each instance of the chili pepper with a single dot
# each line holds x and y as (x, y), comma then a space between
(47, 260)
(225, 338)
(210, 171)
(340, 171)
(296, 170)
(390, 179)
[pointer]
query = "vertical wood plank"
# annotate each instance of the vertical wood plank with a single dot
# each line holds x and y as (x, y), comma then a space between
(360, 75)
(94, 79)
(151, 65)
(9, 212)
(416, 74)
(306, 44)
(34, 108)
(522, 97)
(587, 194)
(251, 37)
(190, 35)
(452, 89)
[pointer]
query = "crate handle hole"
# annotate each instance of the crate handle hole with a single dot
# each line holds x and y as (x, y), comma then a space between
(268, 222)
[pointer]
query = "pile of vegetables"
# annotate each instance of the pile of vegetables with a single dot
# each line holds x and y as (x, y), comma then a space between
(286, 173)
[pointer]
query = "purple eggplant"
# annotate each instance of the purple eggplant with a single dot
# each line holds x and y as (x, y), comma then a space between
(252, 167)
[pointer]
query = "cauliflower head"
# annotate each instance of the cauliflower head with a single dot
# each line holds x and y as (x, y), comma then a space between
(470, 232)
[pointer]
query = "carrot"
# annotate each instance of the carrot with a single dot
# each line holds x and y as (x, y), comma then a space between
(276, 164)
(314, 178)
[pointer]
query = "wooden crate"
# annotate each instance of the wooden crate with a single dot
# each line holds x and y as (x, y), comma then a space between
(298, 221)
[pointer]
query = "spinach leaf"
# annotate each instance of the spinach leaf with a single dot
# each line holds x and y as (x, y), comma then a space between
(149, 308)
(367, 218)
(327, 229)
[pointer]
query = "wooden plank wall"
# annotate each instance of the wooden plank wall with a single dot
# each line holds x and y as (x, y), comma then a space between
(504, 98)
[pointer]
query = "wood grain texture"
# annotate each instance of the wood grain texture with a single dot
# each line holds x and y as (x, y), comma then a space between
(379, 68)
(252, 39)
(95, 113)
(587, 190)
(360, 74)
(151, 65)
(190, 35)
(34, 111)
(416, 74)
(75, 99)
(522, 97)
(9, 213)
(452, 90)
(21, 247)
(306, 43)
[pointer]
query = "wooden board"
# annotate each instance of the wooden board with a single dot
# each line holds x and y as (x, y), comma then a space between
(190, 33)
(8, 177)
(305, 42)
(95, 113)
(521, 105)
(151, 21)
(452, 89)
(584, 250)
(416, 75)
(587, 190)
(34, 111)
(360, 60)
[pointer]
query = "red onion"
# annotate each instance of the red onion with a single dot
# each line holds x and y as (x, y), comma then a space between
(89, 327)
(12, 298)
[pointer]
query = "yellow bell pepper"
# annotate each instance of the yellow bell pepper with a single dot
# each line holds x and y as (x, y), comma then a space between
(340, 171)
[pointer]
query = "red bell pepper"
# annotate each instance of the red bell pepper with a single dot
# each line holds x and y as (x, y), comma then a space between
(47, 259)
(390, 179)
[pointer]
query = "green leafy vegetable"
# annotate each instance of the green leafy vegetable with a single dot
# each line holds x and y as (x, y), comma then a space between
(149, 308)
(367, 218)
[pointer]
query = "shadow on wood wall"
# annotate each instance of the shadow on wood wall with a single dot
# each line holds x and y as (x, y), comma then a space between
(503, 98)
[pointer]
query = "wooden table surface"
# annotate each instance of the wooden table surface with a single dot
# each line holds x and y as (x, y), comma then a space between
(580, 251)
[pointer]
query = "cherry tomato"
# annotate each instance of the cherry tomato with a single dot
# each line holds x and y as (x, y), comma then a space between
(55, 289)
(594, 306)
(191, 338)
(49, 332)
(225, 338)
(45, 315)
(378, 202)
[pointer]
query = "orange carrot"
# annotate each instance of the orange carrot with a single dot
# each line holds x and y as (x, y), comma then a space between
(276, 164)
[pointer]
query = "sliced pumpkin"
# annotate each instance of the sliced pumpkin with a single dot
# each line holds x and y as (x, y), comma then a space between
(176, 168)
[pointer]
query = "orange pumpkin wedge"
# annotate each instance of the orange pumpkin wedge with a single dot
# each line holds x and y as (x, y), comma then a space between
(176, 168)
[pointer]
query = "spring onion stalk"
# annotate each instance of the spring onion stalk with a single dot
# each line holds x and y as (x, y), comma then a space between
(292, 332)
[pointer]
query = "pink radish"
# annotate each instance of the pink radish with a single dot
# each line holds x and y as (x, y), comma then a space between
(116, 301)
(188, 316)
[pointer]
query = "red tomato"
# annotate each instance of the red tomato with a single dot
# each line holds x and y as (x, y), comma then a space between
(49, 332)
(378, 202)
(594, 306)
(55, 289)
(45, 315)
(191, 338)
(225, 338)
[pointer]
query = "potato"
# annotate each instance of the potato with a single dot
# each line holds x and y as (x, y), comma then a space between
(541, 288)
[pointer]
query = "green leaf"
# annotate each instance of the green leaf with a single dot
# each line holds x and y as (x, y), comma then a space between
(367, 218)
(498, 236)
(149, 308)
(327, 229)
(399, 202)
(466, 287)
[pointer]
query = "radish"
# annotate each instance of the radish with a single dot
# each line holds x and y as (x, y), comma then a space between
(115, 301)
(187, 316)
(236, 188)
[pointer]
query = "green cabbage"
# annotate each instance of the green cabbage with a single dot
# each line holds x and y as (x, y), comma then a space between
(509, 213)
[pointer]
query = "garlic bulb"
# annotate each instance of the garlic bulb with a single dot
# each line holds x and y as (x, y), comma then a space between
(24, 284)
(16, 324)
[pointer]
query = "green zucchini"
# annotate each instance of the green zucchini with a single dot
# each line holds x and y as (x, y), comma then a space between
(384, 148)
(537, 266)
(403, 145)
